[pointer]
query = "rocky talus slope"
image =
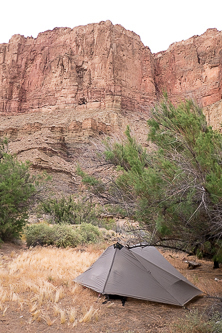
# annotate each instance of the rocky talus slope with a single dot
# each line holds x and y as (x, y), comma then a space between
(63, 91)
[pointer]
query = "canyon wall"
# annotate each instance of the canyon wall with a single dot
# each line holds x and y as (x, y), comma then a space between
(105, 67)
(192, 69)
(68, 87)
(98, 66)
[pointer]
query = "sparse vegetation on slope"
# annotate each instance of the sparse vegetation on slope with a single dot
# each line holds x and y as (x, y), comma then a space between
(69, 210)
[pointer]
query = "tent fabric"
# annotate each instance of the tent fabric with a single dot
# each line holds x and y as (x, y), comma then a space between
(140, 272)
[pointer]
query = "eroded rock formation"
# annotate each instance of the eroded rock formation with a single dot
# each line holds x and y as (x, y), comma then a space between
(98, 66)
(192, 68)
(68, 85)
(103, 66)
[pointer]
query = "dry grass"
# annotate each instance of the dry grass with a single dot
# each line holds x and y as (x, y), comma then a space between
(89, 315)
(42, 279)
(72, 315)
(38, 283)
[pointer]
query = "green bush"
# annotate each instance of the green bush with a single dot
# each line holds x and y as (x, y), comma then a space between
(89, 233)
(61, 235)
(58, 235)
(68, 210)
(38, 234)
(17, 192)
(65, 235)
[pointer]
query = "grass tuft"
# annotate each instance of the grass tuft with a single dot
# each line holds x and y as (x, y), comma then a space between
(6, 308)
(72, 315)
(58, 295)
(34, 307)
(57, 310)
(196, 322)
(37, 315)
(89, 315)
(62, 316)
(48, 320)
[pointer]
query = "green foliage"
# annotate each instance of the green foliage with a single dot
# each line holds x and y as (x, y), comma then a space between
(179, 189)
(69, 210)
(95, 185)
(128, 155)
(58, 235)
(62, 235)
(132, 162)
(194, 322)
(38, 234)
(108, 224)
(176, 190)
(116, 210)
(17, 190)
(189, 163)
(89, 233)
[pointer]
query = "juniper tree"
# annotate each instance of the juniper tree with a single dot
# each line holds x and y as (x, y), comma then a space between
(176, 190)
(17, 190)
(188, 161)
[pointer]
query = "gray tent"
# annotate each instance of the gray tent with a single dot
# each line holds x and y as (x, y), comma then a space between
(140, 272)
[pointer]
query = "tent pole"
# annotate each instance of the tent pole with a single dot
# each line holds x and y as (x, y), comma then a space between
(109, 271)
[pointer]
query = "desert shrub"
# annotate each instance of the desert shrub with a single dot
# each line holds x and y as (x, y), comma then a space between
(175, 190)
(108, 224)
(38, 234)
(68, 210)
(89, 233)
(194, 322)
(58, 235)
(65, 236)
(116, 211)
(96, 185)
(61, 235)
(17, 192)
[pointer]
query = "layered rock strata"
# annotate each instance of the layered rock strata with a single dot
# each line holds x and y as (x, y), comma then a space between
(105, 67)
(67, 86)
(98, 66)
(192, 69)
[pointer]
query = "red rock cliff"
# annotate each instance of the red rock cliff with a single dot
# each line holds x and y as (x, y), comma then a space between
(192, 68)
(68, 85)
(103, 66)
(98, 66)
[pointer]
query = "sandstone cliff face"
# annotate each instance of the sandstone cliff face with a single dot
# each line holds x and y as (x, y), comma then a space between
(192, 69)
(69, 86)
(98, 66)
(105, 67)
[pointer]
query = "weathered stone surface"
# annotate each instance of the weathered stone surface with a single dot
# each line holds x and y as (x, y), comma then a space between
(67, 86)
(98, 66)
(192, 69)
(105, 67)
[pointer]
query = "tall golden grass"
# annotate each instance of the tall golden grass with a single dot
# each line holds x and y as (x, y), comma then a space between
(42, 279)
